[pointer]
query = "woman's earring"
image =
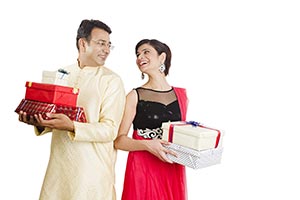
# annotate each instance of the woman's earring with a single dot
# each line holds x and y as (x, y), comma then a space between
(162, 68)
(143, 76)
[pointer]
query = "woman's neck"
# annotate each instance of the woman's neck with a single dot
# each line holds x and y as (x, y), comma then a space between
(157, 83)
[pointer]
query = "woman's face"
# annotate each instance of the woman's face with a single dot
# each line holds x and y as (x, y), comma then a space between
(147, 59)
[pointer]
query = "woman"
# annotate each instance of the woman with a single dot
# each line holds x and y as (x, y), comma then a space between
(150, 175)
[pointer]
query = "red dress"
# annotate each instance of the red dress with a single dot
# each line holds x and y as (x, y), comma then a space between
(147, 177)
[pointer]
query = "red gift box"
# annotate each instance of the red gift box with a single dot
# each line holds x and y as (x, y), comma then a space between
(50, 93)
(36, 107)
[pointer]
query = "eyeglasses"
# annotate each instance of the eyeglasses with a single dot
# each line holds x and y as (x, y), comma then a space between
(103, 43)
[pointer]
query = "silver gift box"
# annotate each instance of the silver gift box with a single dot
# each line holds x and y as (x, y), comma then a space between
(193, 158)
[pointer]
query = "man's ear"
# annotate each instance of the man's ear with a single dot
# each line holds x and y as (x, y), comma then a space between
(82, 43)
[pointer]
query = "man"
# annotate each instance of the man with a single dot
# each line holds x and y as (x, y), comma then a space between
(82, 160)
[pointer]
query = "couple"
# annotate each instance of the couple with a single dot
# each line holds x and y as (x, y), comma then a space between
(83, 155)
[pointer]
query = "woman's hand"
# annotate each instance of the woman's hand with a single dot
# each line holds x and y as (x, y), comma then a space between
(156, 148)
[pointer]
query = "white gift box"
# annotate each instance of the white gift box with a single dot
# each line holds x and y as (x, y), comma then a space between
(193, 158)
(191, 135)
(59, 77)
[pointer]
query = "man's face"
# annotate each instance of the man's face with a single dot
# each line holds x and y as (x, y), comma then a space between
(97, 50)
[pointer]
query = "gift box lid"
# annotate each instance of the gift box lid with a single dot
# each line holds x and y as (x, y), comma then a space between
(191, 130)
(52, 87)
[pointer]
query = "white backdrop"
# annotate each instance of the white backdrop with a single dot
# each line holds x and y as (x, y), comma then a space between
(237, 59)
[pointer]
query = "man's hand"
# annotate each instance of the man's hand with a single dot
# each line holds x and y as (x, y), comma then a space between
(28, 119)
(56, 121)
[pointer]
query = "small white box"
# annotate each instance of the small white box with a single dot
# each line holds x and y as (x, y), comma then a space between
(59, 77)
(193, 158)
(193, 136)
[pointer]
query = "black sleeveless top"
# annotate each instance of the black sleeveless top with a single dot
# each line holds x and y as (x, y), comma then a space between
(153, 108)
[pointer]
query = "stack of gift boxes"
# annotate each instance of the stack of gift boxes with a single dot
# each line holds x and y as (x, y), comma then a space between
(52, 96)
(196, 145)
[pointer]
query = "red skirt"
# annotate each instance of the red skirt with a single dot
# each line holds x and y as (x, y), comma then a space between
(149, 178)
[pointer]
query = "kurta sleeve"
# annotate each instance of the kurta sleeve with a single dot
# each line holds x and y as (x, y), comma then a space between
(38, 133)
(110, 115)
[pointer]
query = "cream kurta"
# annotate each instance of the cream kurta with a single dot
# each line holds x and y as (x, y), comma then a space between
(82, 164)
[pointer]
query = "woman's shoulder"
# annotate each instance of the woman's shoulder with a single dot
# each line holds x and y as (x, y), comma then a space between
(132, 96)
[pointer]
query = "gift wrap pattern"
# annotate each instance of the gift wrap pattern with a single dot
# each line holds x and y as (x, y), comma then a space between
(36, 107)
(193, 158)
